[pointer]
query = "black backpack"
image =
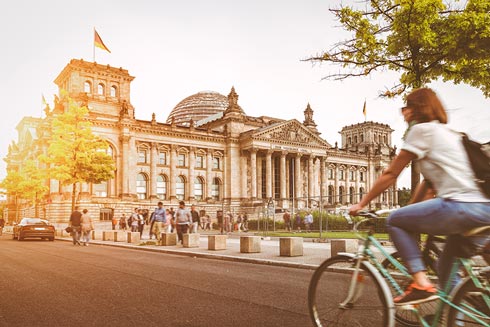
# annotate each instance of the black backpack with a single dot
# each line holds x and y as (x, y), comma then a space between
(480, 162)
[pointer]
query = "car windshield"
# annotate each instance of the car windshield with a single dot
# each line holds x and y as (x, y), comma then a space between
(33, 221)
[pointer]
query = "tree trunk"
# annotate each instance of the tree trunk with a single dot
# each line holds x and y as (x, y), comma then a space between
(73, 196)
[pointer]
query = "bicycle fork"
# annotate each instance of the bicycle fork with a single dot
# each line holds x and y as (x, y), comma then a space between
(355, 288)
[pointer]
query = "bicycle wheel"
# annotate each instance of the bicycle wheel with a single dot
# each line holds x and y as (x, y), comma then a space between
(405, 317)
(329, 288)
(472, 299)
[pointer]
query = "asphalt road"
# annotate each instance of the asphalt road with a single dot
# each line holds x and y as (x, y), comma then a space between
(57, 284)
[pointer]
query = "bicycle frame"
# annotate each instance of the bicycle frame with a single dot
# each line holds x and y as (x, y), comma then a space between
(366, 254)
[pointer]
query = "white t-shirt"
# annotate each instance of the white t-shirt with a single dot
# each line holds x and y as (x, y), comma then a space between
(443, 161)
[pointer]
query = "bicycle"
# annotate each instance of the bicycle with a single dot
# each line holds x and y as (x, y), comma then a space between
(356, 290)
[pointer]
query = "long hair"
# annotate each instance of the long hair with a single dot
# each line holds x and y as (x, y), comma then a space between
(426, 106)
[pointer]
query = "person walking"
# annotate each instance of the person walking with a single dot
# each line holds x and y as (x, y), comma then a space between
(239, 222)
(169, 227)
(297, 221)
(458, 207)
(183, 220)
(196, 220)
(245, 222)
(308, 221)
(133, 220)
(75, 218)
(122, 222)
(158, 220)
(219, 218)
(152, 224)
(87, 227)
(114, 222)
(287, 220)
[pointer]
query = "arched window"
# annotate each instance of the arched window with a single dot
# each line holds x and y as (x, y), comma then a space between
(113, 91)
(362, 137)
(216, 189)
(141, 186)
(87, 87)
(161, 187)
(198, 188)
(100, 89)
(352, 194)
(341, 194)
(180, 188)
(361, 192)
(355, 139)
(349, 140)
(331, 194)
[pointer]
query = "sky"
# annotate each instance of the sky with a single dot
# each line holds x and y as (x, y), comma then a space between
(178, 48)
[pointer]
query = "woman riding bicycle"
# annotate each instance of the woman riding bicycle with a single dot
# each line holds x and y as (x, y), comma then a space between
(459, 204)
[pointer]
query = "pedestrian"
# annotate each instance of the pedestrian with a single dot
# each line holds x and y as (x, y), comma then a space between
(87, 227)
(75, 218)
(158, 220)
(458, 207)
(169, 227)
(308, 221)
(245, 222)
(2, 224)
(172, 213)
(207, 222)
(239, 222)
(196, 219)
(219, 218)
(297, 221)
(141, 222)
(133, 220)
(227, 222)
(183, 220)
(152, 224)
(122, 222)
(114, 222)
(287, 220)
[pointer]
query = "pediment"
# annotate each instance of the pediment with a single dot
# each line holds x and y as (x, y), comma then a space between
(292, 132)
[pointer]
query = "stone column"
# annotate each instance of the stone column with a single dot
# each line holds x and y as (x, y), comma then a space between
(323, 178)
(336, 186)
(153, 171)
(298, 181)
(253, 173)
(311, 180)
(356, 197)
(244, 175)
(268, 174)
(209, 174)
(173, 171)
(283, 175)
(124, 174)
(192, 164)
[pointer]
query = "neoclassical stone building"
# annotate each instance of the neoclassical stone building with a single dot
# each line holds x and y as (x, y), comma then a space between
(208, 152)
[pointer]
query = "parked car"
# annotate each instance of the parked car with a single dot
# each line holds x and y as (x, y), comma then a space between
(33, 228)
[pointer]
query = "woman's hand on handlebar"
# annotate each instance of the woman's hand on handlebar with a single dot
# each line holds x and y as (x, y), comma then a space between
(353, 210)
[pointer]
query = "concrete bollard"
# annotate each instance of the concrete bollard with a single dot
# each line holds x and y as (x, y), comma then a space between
(97, 235)
(108, 235)
(191, 240)
(249, 244)
(290, 246)
(133, 237)
(217, 242)
(120, 236)
(347, 245)
(168, 239)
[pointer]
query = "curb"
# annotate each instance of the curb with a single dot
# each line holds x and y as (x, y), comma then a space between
(224, 257)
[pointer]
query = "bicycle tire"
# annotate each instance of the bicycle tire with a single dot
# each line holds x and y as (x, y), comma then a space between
(329, 287)
(469, 296)
(407, 317)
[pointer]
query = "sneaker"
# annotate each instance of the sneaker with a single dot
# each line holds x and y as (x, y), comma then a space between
(416, 294)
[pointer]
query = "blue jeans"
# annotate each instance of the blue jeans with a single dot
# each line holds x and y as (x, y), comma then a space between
(436, 217)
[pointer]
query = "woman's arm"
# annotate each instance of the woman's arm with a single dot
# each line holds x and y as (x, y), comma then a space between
(387, 178)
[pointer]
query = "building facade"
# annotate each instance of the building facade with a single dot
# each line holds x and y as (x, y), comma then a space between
(208, 152)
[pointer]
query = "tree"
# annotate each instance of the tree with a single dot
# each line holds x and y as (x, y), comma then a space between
(423, 40)
(12, 184)
(75, 154)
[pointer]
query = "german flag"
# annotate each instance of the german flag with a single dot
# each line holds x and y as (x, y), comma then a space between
(99, 43)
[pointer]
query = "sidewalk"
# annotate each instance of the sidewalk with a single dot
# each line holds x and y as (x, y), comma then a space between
(313, 253)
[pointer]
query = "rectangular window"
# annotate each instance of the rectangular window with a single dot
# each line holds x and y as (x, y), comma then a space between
(100, 190)
(341, 173)
(330, 174)
(199, 162)
(351, 175)
(215, 163)
(162, 158)
(181, 160)
(142, 156)
(361, 176)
